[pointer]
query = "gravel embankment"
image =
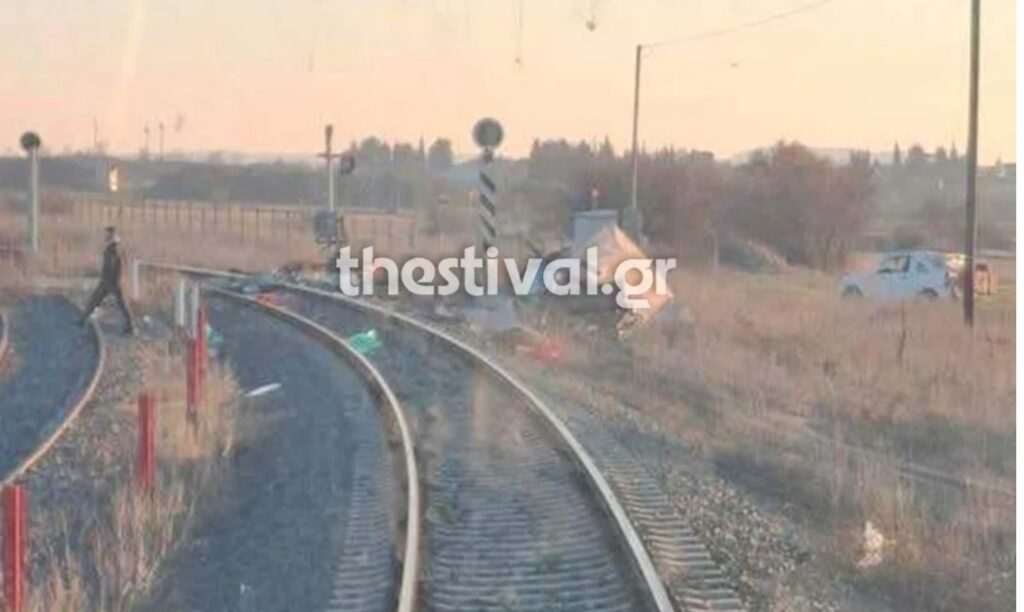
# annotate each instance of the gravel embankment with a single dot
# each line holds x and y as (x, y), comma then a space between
(50, 364)
(272, 539)
(510, 521)
(762, 550)
(72, 482)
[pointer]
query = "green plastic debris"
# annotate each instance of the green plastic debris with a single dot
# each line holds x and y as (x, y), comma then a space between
(365, 342)
(214, 341)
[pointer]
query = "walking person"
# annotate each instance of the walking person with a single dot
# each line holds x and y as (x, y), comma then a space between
(110, 281)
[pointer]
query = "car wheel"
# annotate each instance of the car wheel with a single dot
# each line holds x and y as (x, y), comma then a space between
(929, 294)
(852, 292)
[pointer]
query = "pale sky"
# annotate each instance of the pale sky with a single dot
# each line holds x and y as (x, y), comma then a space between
(265, 75)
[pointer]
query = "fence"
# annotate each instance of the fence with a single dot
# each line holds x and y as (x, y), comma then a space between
(390, 232)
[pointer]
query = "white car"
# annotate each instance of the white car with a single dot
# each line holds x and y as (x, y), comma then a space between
(903, 275)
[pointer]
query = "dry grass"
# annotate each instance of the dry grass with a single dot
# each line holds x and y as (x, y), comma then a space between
(816, 403)
(111, 562)
(846, 412)
(71, 237)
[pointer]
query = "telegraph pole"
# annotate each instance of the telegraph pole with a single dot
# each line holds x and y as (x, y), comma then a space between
(971, 229)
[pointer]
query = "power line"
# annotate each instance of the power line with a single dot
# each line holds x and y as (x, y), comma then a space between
(798, 10)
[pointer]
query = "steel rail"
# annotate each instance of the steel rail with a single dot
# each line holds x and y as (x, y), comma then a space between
(410, 565)
(70, 415)
(639, 553)
(5, 335)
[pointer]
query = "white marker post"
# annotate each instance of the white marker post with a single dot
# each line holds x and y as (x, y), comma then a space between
(180, 300)
(31, 142)
(135, 279)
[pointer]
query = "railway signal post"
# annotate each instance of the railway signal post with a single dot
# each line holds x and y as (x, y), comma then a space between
(487, 134)
(31, 142)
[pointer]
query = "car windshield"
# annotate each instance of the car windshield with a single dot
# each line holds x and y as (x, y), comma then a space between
(894, 264)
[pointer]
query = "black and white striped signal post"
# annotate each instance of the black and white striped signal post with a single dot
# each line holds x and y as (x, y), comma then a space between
(488, 134)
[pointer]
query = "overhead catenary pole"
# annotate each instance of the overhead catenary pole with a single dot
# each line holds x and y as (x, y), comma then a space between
(971, 228)
(636, 128)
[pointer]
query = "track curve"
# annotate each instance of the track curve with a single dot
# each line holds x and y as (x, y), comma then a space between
(5, 335)
(512, 520)
(683, 562)
(53, 371)
(307, 517)
(349, 591)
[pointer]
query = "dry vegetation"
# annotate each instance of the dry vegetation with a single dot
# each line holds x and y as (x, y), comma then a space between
(846, 412)
(71, 236)
(109, 562)
(107, 556)
(840, 412)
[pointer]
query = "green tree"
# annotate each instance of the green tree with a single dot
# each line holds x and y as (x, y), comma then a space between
(439, 155)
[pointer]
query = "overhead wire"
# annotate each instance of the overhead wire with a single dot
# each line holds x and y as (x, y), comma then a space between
(797, 10)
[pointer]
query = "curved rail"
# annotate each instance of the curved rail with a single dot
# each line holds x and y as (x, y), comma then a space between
(641, 557)
(69, 416)
(5, 335)
(410, 565)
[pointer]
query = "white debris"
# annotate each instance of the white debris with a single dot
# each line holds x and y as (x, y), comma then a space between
(874, 544)
(258, 391)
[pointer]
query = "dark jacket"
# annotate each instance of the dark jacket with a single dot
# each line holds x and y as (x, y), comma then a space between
(112, 263)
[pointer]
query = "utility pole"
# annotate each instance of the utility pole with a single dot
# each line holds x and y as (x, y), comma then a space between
(971, 230)
(161, 127)
(634, 209)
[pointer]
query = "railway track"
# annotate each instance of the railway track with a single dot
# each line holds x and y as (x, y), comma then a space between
(519, 515)
(363, 570)
(52, 371)
(693, 578)
(512, 521)
(5, 336)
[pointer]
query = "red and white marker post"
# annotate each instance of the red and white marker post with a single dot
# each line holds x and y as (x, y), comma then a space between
(14, 546)
(147, 442)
